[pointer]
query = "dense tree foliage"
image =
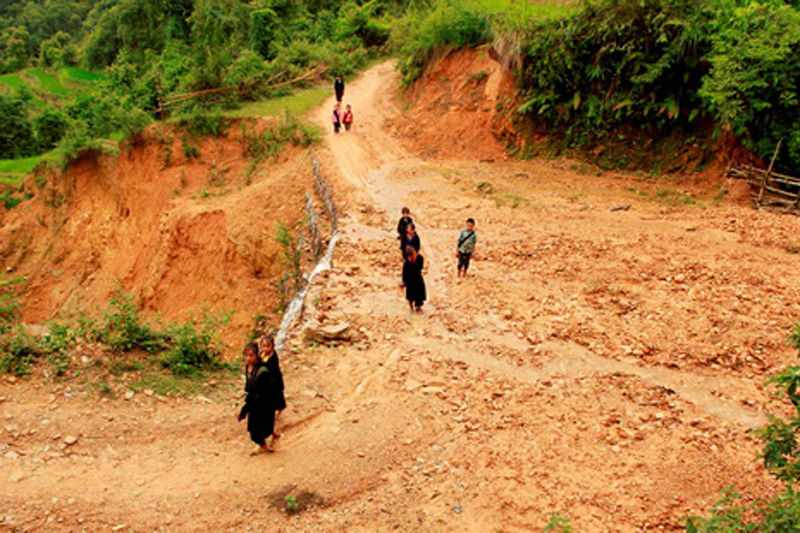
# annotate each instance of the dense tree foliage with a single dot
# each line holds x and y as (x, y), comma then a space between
(16, 131)
(656, 67)
(152, 49)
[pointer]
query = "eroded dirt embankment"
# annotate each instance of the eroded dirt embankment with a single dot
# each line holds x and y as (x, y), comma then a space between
(178, 230)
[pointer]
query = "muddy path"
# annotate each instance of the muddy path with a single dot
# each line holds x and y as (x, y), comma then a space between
(605, 366)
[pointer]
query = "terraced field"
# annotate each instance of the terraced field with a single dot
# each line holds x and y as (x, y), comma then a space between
(46, 87)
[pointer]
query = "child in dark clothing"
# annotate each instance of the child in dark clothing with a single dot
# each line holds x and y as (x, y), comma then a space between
(258, 406)
(338, 88)
(413, 281)
(347, 118)
(267, 346)
(411, 240)
(337, 118)
(402, 224)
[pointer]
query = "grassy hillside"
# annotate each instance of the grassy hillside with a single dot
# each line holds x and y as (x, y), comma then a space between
(43, 89)
(49, 84)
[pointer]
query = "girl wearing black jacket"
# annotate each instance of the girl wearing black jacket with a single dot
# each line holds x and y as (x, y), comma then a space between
(259, 404)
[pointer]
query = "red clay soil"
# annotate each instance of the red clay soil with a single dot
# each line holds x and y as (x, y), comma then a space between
(452, 111)
(604, 362)
(181, 237)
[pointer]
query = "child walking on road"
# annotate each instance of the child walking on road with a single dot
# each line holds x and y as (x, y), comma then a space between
(403, 223)
(413, 282)
(267, 350)
(338, 88)
(347, 118)
(466, 247)
(259, 408)
(410, 240)
(337, 118)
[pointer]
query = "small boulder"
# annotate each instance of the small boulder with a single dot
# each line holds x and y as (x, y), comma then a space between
(328, 333)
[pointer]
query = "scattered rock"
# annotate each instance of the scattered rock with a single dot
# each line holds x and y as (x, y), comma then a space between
(70, 440)
(16, 477)
(411, 385)
(328, 333)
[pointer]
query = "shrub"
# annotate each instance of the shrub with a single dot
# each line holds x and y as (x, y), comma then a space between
(18, 351)
(10, 200)
(50, 127)
(57, 51)
(123, 328)
(15, 48)
(202, 123)
(616, 63)
(264, 24)
(420, 35)
(9, 302)
(753, 86)
(194, 345)
(16, 131)
(362, 21)
(271, 141)
(244, 72)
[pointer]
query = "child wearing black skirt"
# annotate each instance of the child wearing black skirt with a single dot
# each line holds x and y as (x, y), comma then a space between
(413, 281)
(259, 405)
(267, 350)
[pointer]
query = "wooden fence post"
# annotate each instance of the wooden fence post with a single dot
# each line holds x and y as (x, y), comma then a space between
(765, 181)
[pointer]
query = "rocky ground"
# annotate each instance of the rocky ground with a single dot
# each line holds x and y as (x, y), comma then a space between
(604, 363)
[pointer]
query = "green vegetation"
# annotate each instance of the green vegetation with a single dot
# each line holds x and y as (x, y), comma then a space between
(288, 130)
(292, 507)
(49, 83)
(184, 349)
(297, 103)
(421, 34)
(634, 72)
(291, 257)
(558, 524)
(9, 302)
(780, 512)
(13, 82)
(110, 67)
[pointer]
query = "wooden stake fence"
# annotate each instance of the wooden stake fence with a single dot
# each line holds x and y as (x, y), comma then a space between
(774, 190)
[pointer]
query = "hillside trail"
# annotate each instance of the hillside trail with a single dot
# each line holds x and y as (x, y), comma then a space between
(369, 159)
(543, 383)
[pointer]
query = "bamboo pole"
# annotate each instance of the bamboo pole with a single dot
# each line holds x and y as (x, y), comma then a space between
(171, 100)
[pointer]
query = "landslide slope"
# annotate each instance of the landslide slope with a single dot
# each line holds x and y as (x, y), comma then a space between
(180, 231)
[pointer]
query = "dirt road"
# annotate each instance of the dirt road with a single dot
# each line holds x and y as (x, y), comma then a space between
(603, 366)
